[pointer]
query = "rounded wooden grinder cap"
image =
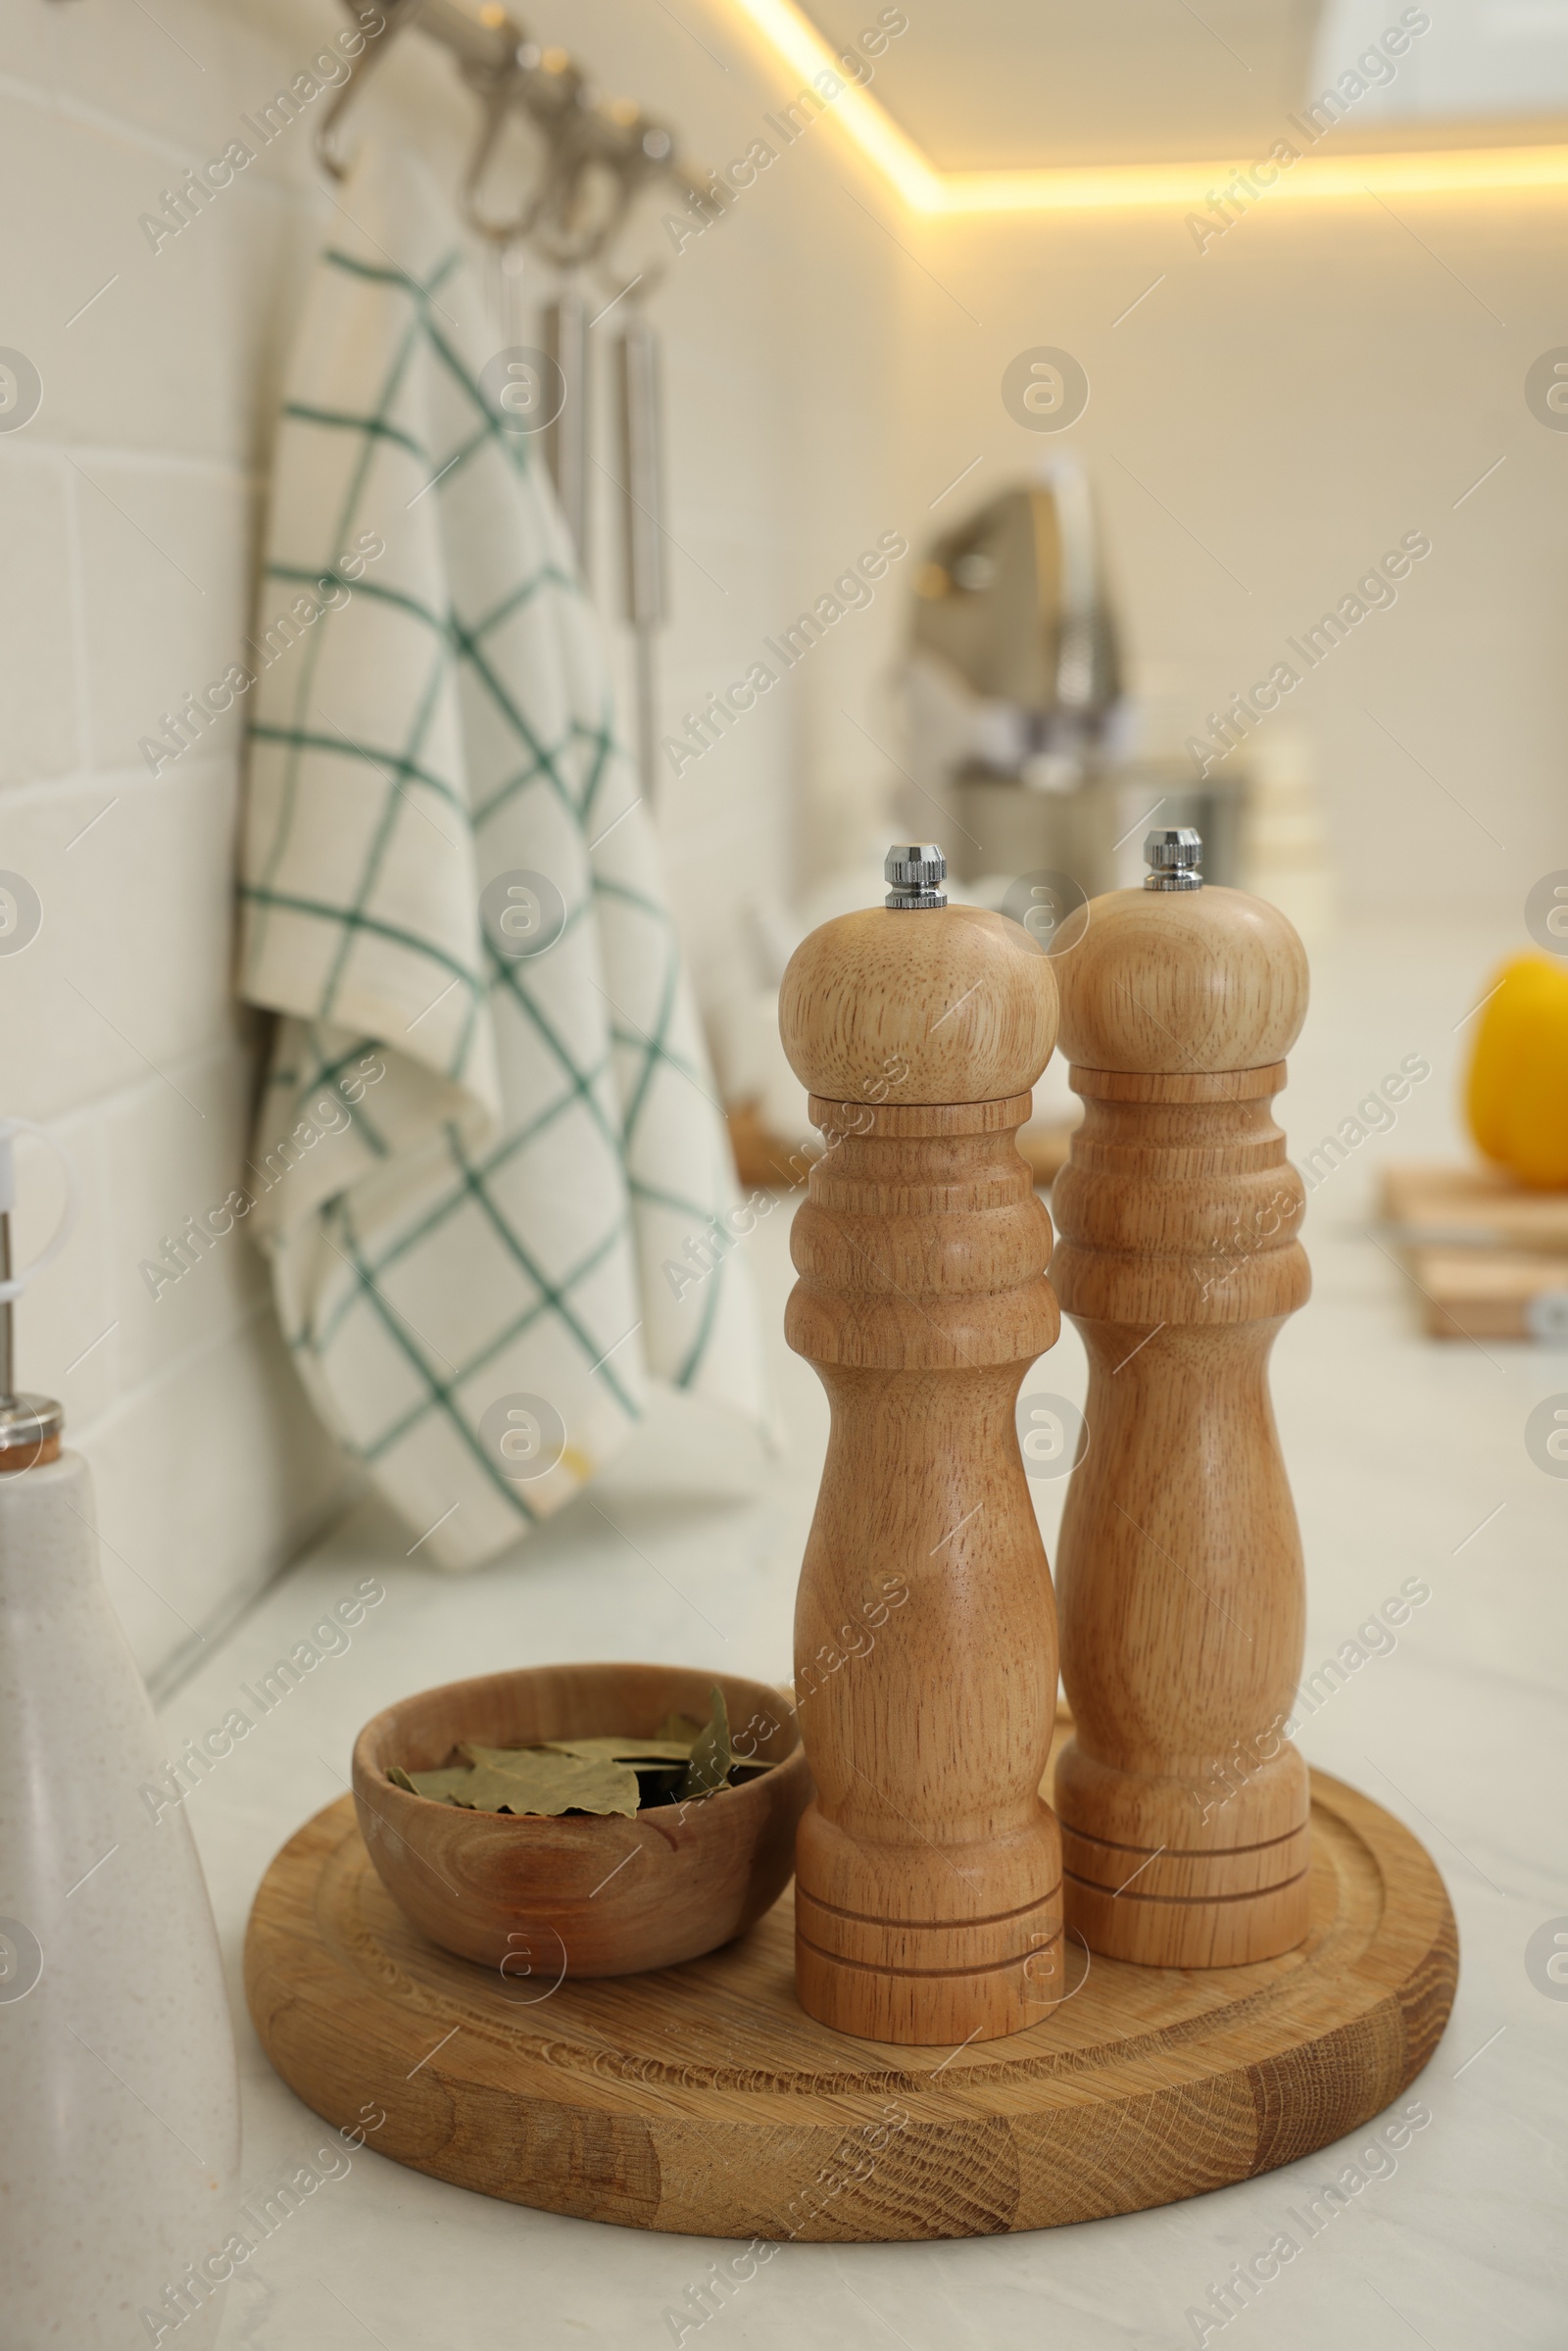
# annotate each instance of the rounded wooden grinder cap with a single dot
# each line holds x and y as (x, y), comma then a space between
(1184, 1809)
(929, 1870)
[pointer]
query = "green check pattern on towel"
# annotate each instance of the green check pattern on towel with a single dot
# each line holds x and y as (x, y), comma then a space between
(476, 1170)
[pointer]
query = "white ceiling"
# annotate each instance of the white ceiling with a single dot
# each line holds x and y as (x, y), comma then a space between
(991, 84)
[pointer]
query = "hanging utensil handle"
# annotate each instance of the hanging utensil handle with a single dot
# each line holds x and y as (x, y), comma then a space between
(644, 584)
(565, 337)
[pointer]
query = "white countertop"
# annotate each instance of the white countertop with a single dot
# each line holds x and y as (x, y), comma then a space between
(1400, 1450)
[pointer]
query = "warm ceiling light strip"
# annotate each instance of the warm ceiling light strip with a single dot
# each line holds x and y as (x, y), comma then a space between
(878, 137)
(1110, 187)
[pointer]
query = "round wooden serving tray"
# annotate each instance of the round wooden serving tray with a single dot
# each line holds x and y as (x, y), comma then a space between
(703, 2102)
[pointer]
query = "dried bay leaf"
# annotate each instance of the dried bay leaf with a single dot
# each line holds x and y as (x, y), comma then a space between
(601, 1774)
(531, 1782)
(445, 1785)
(617, 1750)
(710, 1757)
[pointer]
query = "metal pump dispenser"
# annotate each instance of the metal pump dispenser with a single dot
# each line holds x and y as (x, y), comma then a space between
(30, 1425)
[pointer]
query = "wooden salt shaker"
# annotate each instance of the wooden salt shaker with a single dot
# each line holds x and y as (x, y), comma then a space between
(929, 1870)
(1184, 1809)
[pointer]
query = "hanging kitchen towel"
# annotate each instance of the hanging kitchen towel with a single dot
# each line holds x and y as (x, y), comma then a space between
(490, 1169)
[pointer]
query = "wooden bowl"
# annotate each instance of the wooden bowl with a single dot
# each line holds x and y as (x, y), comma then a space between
(539, 1899)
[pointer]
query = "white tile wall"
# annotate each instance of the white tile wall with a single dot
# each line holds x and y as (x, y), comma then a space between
(128, 512)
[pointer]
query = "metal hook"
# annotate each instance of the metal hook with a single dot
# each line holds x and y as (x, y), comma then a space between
(397, 15)
(585, 141)
(550, 89)
(620, 141)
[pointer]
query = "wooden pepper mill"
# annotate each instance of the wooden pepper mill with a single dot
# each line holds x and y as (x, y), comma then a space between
(928, 1869)
(1184, 1809)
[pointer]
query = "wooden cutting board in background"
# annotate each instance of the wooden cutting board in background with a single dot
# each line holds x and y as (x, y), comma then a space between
(1490, 1257)
(1493, 1293)
(1473, 1207)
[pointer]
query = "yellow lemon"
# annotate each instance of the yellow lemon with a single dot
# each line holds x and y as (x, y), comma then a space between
(1517, 1100)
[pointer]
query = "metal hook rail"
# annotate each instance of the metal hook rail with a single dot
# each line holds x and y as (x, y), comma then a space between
(597, 154)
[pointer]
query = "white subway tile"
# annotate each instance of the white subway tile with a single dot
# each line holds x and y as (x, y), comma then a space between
(166, 557)
(130, 973)
(164, 1166)
(208, 1479)
(136, 369)
(38, 734)
(165, 78)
